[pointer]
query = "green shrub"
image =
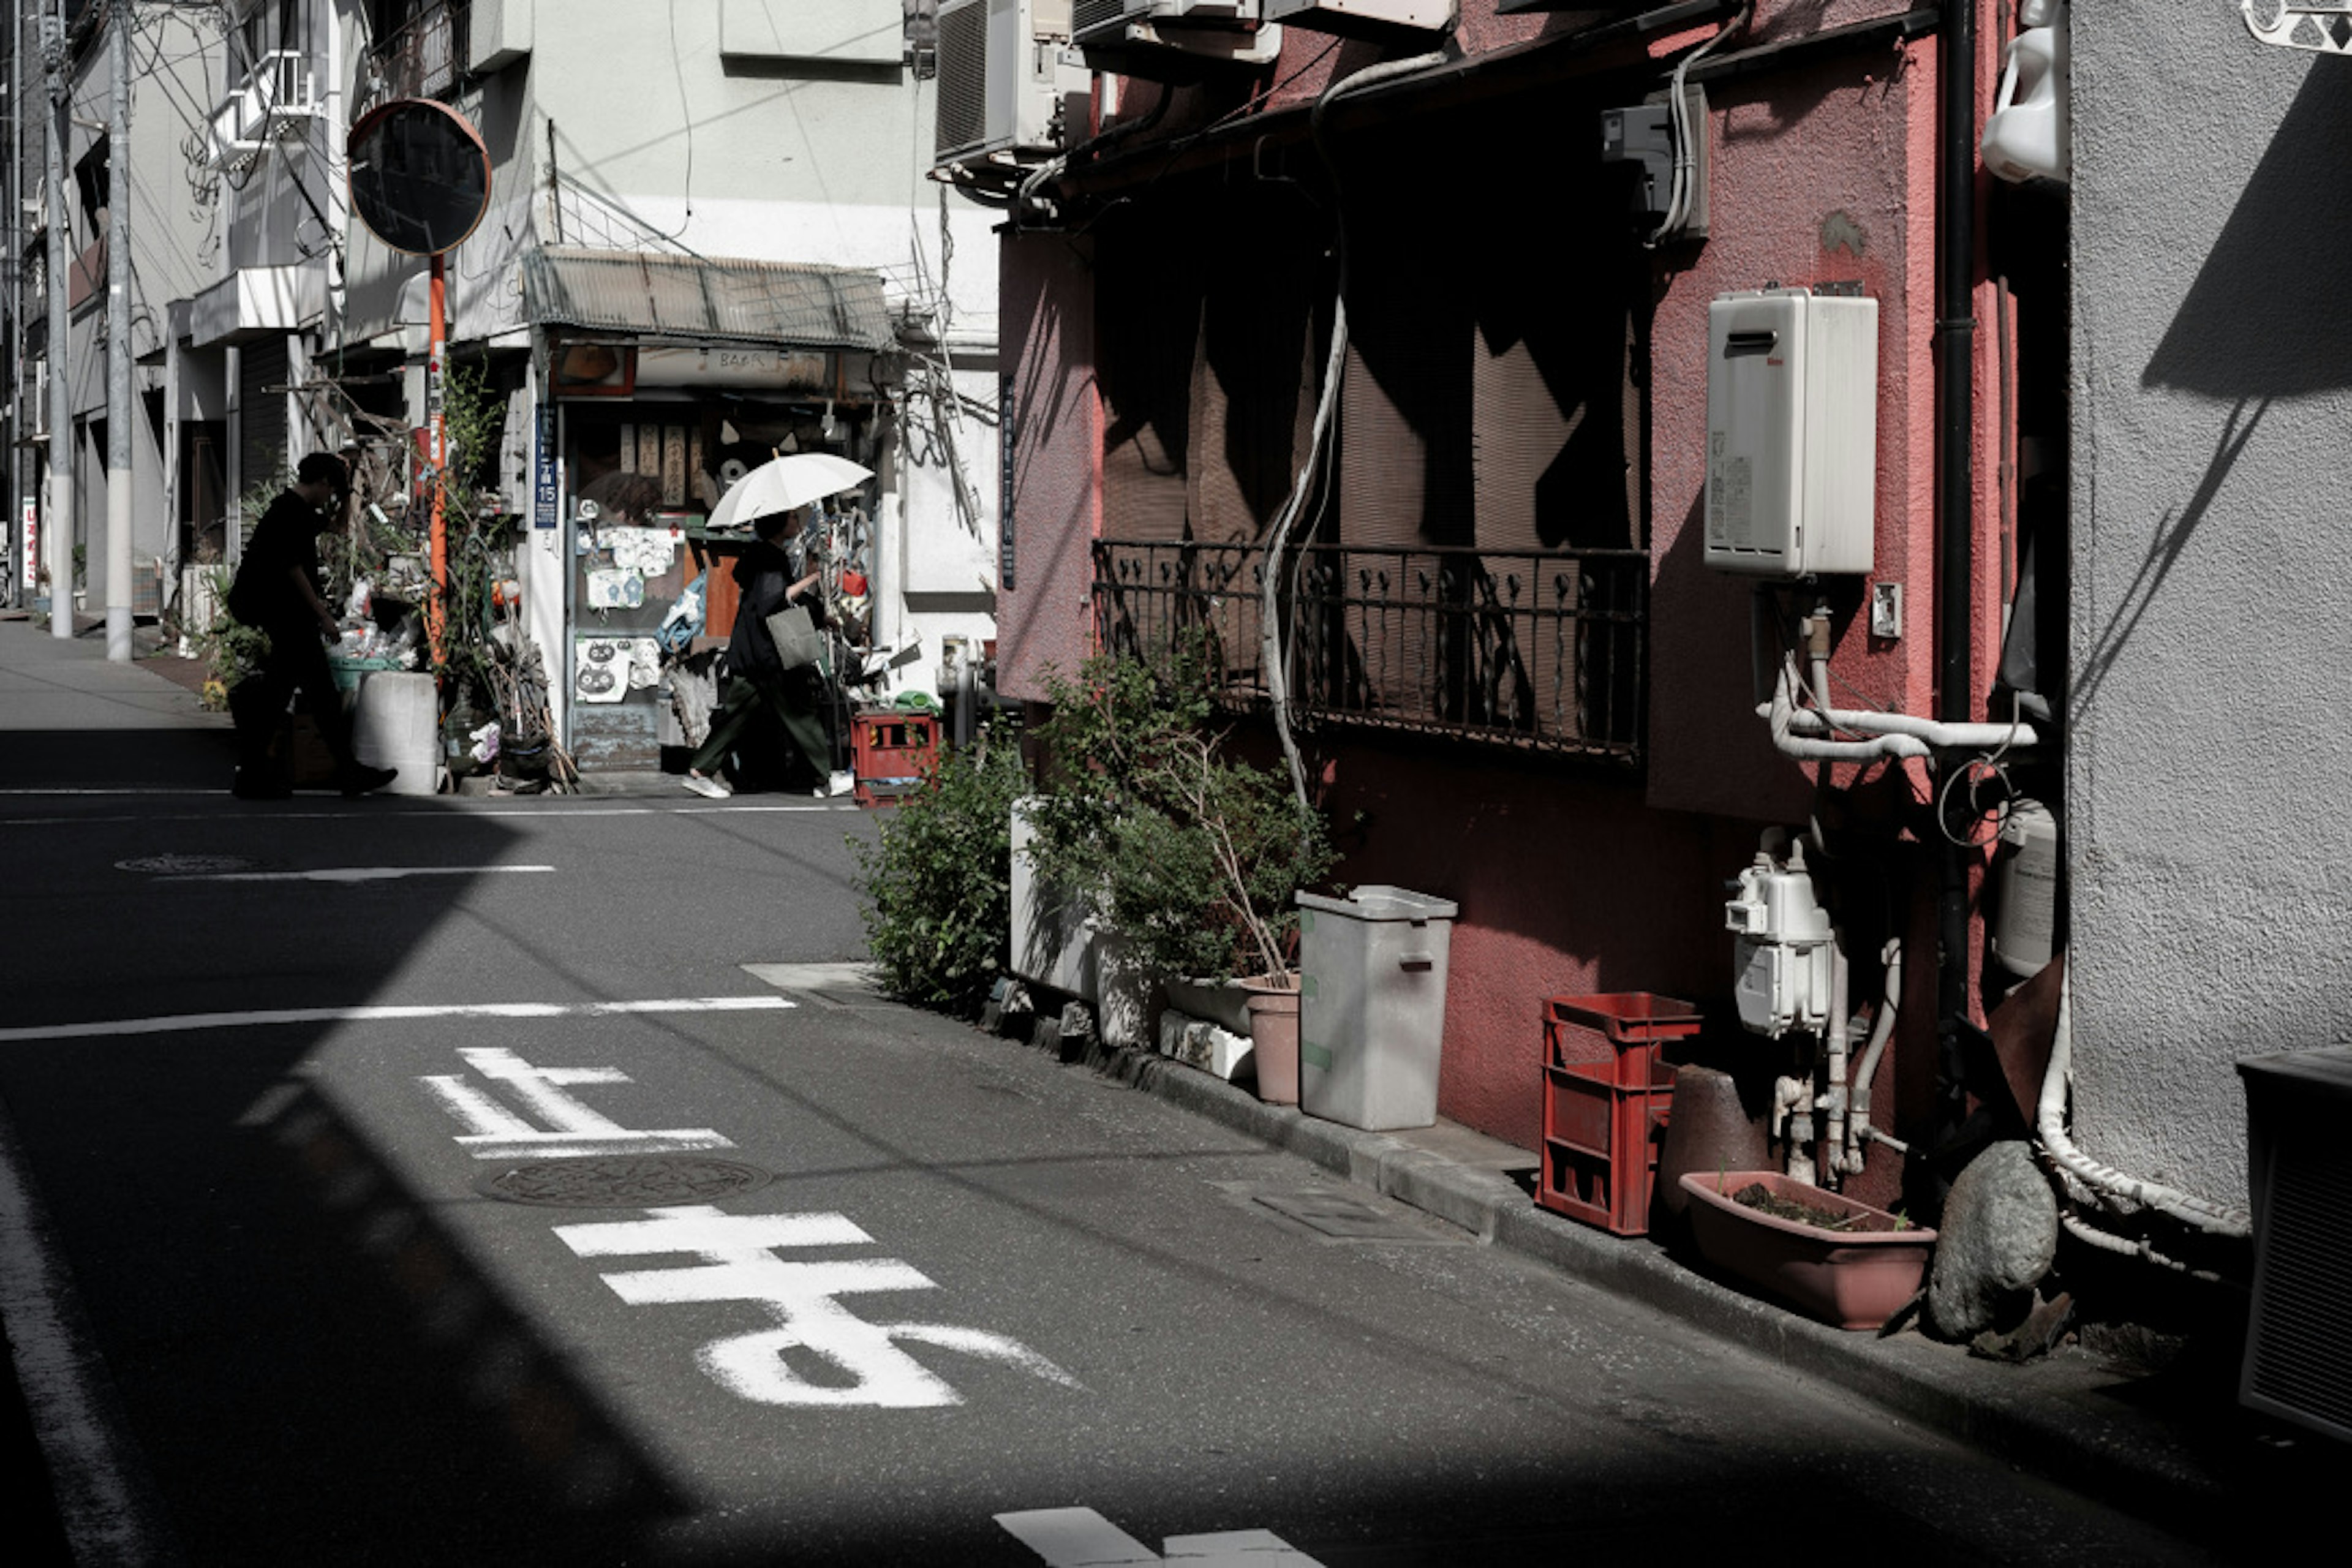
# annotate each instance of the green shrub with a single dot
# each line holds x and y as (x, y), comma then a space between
(1194, 856)
(936, 889)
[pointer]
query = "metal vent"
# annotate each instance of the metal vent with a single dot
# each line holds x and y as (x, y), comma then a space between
(963, 77)
(1087, 15)
(2298, 1356)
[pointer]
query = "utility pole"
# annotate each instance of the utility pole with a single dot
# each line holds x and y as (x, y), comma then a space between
(57, 515)
(117, 338)
(21, 544)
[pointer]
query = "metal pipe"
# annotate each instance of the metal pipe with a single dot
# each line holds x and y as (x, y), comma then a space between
(119, 477)
(1956, 197)
(1881, 1029)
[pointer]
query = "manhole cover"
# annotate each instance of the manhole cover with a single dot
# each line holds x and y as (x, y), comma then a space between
(185, 865)
(623, 1181)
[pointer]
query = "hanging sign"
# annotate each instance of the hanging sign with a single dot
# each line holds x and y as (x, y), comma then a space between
(1004, 444)
(546, 501)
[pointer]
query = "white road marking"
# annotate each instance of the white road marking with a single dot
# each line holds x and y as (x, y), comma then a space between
(344, 874)
(1081, 1538)
(100, 1497)
(573, 1129)
(270, 1104)
(389, 1014)
(739, 1263)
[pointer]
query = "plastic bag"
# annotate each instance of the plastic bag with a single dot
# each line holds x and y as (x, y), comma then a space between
(684, 622)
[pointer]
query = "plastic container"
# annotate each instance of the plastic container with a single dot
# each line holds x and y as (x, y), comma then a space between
(396, 723)
(1373, 1005)
(891, 749)
(1607, 1100)
(349, 671)
(1600, 1140)
(1615, 1026)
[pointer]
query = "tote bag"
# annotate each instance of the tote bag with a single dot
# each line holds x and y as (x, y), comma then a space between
(798, 642)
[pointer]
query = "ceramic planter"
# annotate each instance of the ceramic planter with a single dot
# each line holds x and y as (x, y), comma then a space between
(1273, 1040)
(1855, 1278)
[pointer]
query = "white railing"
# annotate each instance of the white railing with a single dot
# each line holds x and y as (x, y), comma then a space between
(279, 98)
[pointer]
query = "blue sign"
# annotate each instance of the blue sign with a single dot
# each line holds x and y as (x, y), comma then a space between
(546, 503)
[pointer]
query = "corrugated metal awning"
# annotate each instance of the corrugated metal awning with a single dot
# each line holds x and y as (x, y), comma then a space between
(695, 298)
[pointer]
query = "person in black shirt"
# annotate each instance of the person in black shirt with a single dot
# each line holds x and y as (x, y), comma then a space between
(277, 590)
(757, 681)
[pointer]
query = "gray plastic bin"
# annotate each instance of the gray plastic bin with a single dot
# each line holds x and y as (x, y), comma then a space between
(1371, 1011)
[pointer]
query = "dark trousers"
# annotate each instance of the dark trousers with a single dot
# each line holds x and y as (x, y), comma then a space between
(296, 660)
(746, 699)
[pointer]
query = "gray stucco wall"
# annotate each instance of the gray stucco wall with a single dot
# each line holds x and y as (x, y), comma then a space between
(2211, 575)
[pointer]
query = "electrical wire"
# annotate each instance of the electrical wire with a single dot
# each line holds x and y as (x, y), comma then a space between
(1678, 206)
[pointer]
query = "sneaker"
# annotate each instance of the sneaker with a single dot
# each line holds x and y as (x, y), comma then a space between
(708, 788)
(361, 778)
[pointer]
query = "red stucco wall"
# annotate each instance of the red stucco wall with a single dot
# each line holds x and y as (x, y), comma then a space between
(1572, 881)
(1046, 331)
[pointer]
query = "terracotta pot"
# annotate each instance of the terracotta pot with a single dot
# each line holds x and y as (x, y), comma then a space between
(1274, 1042)
(1854, 1278)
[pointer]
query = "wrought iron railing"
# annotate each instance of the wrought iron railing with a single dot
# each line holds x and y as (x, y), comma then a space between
(424, 57)
(1535, 650)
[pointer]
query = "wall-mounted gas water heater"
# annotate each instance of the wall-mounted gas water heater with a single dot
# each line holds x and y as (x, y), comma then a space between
(1792, 430)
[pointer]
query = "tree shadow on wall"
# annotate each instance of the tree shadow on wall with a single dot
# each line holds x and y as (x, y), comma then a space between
(2268, 315)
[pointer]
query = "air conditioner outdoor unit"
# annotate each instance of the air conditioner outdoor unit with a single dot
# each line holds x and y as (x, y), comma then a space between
(1105, 19)
(1006, 73)
(1362, 17)
(1174, 40)
(279, 98)
(2298, 1362)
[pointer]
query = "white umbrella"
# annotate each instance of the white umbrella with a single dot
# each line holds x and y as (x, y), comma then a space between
(784, 483)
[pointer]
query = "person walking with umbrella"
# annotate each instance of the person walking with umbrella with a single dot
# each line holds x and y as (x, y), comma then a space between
(760, 681)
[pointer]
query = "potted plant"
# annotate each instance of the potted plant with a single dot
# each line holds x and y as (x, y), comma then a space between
(1829, 1255)
(1194, 856)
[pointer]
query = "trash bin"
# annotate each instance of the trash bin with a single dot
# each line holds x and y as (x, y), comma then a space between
(396, 723)
(1371, 1005)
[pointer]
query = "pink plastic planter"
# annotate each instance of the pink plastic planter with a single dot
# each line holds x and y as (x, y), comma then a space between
(1855, 1278)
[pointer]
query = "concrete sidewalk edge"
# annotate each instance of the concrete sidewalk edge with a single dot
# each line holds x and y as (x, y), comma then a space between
(2034, 1416)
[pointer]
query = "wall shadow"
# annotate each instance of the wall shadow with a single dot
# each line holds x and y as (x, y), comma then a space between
(2266, 316)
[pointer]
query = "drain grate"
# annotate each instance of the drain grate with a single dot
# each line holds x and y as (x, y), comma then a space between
(1337, 1215)
(623, 1181)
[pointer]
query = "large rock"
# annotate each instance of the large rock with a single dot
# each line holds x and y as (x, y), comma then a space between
(1710, 1131)
(1995, 1242)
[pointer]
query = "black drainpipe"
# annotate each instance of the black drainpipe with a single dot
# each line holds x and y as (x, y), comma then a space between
(1955, 188)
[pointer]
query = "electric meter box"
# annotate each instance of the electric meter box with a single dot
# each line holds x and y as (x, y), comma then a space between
(1791, 432)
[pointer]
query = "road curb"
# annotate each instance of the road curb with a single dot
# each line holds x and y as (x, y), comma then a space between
(2065, 1418)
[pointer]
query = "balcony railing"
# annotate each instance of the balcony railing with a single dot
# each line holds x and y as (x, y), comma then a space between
(279, 98)
(1538, 651)
(424, 57)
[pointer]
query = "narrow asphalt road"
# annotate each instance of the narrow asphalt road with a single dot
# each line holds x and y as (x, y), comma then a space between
(428, 1181)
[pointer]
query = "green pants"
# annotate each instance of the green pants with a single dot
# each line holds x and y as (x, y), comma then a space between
(744, 701)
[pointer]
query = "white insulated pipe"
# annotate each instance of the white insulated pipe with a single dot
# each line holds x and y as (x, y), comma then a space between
(2050, 1126)
(1881, 1029)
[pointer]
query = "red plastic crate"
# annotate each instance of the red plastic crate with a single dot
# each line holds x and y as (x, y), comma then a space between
(1621, 1028)
(891, 749)
(1606, 1099)
(1601, 1143)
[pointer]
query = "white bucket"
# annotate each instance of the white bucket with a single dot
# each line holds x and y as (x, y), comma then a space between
(396, 723)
